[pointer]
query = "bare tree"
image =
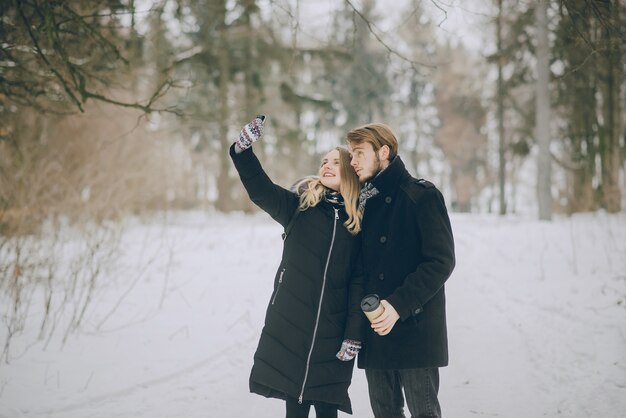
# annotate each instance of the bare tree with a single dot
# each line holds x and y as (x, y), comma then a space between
(544, 180)
(462, 119)
(613, 38)
(589, 41)
(55, 56)
(500, 101)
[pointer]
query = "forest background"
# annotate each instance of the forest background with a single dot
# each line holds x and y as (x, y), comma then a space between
(111, 109)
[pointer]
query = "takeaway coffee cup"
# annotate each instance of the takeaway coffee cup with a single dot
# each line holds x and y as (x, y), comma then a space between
(371, 307)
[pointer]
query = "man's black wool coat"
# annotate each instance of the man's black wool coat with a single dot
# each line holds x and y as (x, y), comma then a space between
(408, 254)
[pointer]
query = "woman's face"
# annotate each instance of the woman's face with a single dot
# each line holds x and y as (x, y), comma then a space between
(330, 175)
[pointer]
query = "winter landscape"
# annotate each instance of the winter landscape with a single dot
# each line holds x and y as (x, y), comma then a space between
(135, 272)
(536, 323)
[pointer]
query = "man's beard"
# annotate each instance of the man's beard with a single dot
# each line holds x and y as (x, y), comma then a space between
(377, 169)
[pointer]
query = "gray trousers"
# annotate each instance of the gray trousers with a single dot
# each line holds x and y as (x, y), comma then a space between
(420, 388)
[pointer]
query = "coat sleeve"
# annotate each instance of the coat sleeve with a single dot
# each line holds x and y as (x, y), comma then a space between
(438, 259)
(356, 323)
(277, 201)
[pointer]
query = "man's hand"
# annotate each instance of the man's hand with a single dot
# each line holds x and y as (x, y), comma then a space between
(384, 323)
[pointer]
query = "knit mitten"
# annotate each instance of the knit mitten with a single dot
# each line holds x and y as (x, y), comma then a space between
(250, 133)
(349, 350)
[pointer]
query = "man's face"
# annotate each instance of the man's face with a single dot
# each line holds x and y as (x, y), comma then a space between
(365, 161)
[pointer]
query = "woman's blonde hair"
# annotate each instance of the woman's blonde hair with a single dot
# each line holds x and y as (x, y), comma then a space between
(349, 188)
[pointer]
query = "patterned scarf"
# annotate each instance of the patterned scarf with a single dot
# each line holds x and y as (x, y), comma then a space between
(367, 192)
(333, 197)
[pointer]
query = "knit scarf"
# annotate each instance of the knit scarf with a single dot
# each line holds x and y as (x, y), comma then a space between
(367, 192)
(333, 197)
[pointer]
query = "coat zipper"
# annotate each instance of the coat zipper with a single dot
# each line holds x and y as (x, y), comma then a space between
(280, 281)
(319, 307)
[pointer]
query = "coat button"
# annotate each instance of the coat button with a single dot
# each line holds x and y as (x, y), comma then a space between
(388, 199)
(383, 239)
(381, 276)
(417, 311)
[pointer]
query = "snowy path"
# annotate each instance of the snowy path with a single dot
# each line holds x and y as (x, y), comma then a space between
(536, 319)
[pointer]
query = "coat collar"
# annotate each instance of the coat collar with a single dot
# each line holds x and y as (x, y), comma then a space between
(390, 178)
(328, 208)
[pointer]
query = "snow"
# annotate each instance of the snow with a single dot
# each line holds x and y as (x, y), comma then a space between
(536, 324)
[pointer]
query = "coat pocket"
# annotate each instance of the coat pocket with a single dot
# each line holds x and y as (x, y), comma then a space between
(280, 282)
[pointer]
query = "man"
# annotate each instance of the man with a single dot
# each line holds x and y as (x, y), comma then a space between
(408, 254)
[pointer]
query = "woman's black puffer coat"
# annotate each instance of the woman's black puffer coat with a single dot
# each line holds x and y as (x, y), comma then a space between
(316, 297)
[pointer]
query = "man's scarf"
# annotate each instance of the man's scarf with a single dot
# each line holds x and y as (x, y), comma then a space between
(367, 192)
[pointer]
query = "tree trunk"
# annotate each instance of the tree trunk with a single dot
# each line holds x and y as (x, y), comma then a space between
(224, 181)
(251, 87)
(544, 196)
(501, 144)
(612, 127)
(581, 192)
(580, 98)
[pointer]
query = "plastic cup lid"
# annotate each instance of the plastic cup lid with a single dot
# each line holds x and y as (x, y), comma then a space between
(370, 303)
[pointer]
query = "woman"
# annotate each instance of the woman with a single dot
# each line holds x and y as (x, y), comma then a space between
(314, 309)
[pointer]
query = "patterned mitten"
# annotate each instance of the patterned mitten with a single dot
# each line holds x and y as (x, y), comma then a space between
(250, 133)
(349, 350)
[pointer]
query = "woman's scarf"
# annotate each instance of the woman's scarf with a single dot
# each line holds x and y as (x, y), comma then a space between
(333, 197)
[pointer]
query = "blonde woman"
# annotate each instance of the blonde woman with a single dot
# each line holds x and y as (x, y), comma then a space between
(313, 325)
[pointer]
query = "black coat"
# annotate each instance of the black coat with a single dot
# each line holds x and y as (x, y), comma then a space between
(316, 300)
(408, 254)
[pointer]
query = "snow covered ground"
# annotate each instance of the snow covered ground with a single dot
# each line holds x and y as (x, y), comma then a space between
(536, 320)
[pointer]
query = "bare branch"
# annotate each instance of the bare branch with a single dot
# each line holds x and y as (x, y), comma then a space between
(40, 53)
(445, 12)
(54, 55)
(373, 30)
(146, 108)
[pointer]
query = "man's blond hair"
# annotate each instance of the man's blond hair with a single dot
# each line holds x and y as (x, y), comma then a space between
(377, 134)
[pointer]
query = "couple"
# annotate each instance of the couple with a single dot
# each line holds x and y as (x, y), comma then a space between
(363, 226)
